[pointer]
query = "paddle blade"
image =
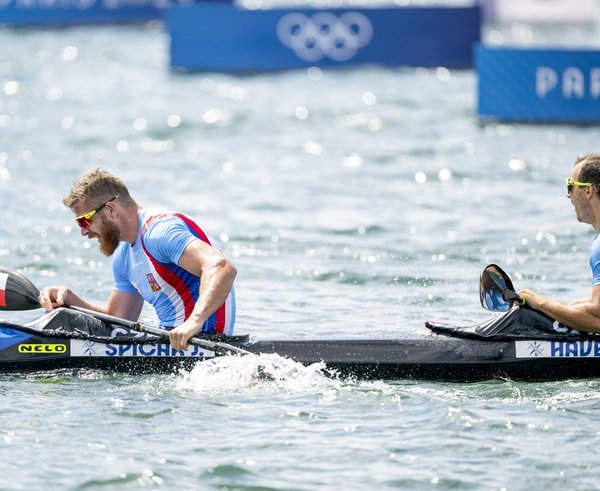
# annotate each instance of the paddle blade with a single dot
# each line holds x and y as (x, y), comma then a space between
(17, 292)
(494, 285)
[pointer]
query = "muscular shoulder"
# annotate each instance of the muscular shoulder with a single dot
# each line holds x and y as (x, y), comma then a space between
(166, 238)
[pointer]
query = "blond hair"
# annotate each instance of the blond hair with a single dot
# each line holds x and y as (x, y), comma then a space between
(97, 185)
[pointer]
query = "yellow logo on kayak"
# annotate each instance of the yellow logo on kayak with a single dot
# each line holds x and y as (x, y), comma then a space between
(38, 349)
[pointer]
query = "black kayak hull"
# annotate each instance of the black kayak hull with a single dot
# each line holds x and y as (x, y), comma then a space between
(439, 358)
(434, 357)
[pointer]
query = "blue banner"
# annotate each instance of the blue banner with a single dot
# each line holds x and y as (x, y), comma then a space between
(538, 85)
(222, 37)
(68, 12)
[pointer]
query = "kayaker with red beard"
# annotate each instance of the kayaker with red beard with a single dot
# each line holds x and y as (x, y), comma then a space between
(159, 256)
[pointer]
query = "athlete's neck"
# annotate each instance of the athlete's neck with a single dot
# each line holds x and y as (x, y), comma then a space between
(129, 223)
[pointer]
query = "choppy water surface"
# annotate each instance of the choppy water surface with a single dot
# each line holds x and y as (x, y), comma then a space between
(354, 203)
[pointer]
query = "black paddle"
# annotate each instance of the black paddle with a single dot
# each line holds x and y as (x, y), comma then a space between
(18, 293)
(496, 290)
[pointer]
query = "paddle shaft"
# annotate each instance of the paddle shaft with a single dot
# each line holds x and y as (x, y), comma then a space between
(157, 331)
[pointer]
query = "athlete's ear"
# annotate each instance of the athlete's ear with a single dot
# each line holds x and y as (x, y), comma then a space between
(112, 208)
(590, 191)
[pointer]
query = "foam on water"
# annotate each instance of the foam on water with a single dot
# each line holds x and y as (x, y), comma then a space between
(267, 372)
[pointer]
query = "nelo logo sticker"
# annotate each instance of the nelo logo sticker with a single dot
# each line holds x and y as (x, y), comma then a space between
(39, 349)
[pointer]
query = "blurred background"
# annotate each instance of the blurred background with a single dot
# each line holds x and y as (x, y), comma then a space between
(360, 163)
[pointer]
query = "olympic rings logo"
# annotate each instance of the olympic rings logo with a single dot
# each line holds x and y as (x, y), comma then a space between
(325, 35)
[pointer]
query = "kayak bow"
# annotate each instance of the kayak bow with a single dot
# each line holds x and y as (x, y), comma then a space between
(18, 293)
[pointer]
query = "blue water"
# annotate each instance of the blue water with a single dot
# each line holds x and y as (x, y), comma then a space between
(354, 203)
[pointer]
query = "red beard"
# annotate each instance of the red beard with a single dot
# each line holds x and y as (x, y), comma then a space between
(108, 238)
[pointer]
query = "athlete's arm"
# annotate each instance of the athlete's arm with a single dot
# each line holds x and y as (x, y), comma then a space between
(217, 274)
(585, 300)
(126, 305)
(583, 315)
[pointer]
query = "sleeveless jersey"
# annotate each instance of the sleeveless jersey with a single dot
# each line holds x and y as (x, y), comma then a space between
(150, 267)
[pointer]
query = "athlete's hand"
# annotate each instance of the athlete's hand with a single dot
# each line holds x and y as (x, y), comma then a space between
(530, 297)
(53, 297)
(180, 335)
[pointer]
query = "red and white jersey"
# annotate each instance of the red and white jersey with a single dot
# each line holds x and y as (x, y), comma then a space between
(150, 267)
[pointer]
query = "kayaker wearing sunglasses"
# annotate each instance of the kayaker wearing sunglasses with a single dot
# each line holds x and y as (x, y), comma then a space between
(159, 256)
(583, 189)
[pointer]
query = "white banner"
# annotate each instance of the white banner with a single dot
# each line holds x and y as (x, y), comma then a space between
(81, 347)
(555, 11)
(558, 349)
